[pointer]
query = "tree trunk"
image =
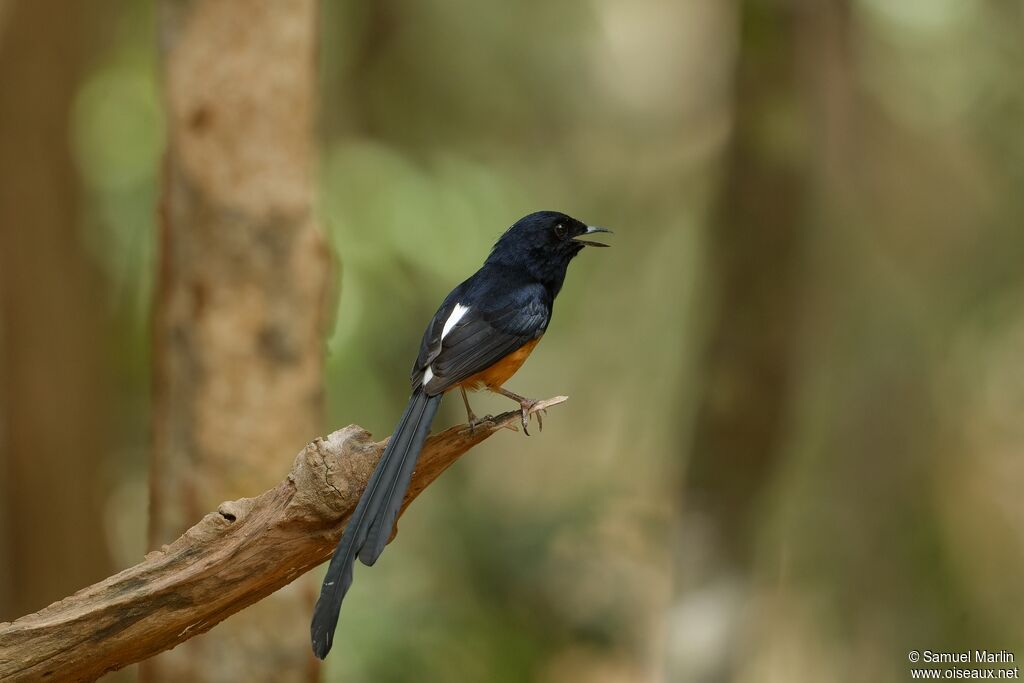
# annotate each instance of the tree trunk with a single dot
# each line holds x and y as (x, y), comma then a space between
(758, 276)
(240, 309)
(53, 398)
(755, 261)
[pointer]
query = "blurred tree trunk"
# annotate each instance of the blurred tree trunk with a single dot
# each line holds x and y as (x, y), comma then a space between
(759, 236)
(53, 397)
(240, 309)
(755, 265)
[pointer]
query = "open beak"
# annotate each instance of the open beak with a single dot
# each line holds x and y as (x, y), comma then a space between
(591, 229)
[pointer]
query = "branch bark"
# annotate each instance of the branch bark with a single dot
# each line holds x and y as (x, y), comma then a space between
(232, 558)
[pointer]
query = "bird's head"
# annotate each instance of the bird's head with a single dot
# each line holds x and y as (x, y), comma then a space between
(544, 240)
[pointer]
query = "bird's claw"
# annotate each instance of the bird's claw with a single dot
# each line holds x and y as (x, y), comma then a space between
(529, 406)
(527, 409)
(474, 423)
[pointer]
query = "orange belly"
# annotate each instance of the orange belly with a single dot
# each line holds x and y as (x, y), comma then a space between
(496, 375)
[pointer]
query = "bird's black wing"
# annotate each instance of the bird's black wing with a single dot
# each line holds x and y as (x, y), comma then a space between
(492, 328)
(430, 345)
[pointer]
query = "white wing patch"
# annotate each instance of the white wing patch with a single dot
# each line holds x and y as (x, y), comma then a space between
(456, 315)
(454, 319)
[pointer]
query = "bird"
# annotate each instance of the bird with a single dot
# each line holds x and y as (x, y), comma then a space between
(479, 337)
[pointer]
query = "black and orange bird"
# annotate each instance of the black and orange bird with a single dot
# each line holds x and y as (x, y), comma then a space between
(479, 337)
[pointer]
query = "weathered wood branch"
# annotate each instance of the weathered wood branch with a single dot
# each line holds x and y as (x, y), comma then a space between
(232, 558)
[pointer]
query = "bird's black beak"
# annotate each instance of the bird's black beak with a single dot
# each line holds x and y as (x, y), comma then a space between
(591, 229)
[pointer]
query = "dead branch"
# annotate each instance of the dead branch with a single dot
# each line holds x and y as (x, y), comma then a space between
(232, 558)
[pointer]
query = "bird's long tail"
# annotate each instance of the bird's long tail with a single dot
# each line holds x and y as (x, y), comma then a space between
(370, 526)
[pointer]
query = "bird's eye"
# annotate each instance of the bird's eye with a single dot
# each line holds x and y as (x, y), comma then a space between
(560, 230)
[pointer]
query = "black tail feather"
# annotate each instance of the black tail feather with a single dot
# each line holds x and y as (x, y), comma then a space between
(399, 474)
(370, 526)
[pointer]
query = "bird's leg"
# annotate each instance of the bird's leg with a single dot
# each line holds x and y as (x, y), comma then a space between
(470, 417)
(525, 405)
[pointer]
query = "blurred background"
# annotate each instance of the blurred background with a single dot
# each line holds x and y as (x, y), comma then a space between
(793, 446)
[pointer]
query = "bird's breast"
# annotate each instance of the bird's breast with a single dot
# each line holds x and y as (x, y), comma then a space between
(499, 373)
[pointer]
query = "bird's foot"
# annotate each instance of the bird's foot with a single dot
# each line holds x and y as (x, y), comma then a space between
(527, 407)
(471, 419)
